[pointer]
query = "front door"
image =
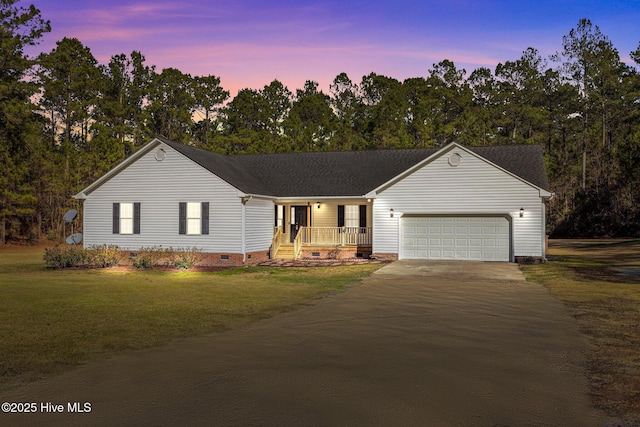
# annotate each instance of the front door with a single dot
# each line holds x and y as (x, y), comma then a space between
(298, 219)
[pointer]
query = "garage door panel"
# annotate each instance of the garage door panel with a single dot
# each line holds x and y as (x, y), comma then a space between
(463, 238)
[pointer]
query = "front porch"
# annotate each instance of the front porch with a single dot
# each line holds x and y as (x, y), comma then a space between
(322, 229)
(322, 243)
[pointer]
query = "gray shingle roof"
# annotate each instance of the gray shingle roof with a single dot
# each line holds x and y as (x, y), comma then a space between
(346, 173)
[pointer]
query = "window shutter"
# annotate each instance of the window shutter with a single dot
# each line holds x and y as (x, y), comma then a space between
(363, 215)
(136, 218)
(340, 215)
(182, 218)
(204, 217)
(275, 215)
(116, 218)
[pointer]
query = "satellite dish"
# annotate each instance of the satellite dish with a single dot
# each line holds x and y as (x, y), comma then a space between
(74, 239)
(70, 215)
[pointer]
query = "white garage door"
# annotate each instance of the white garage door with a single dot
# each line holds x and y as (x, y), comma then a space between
(455, 238)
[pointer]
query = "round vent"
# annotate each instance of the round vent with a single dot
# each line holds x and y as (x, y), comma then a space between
(160, 153)
(454, 159)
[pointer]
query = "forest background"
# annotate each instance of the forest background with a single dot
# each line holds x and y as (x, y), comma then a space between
(66, 119)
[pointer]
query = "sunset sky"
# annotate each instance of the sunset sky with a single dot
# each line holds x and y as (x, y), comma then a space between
(249, 43)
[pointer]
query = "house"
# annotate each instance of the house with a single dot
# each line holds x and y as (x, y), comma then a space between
(456, 202)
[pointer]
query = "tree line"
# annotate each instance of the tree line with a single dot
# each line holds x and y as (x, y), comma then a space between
(66, 119)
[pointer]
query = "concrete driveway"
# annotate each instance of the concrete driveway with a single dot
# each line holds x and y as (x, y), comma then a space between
(417, 343)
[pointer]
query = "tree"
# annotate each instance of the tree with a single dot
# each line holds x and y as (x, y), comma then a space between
(209, 96)
(276, 107)
(450, 97)
(522, 96)
(118, 117)
(385, 111)
(348, 108)
(20, 27)
(311, 122)
(171, 104)
(245, 123)
(485, 104)
(591, 63)
(70, 78)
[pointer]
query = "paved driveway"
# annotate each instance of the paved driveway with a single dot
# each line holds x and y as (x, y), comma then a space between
(417, 343)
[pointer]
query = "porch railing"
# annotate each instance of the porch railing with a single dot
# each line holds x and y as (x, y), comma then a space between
(343, 236)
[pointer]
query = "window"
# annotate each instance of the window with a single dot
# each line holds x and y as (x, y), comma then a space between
(193, 218)
(351, 218)
(352, 215)
(279, 215)
(126, 218)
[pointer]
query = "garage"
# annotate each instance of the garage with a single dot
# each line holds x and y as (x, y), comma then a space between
(472, 238)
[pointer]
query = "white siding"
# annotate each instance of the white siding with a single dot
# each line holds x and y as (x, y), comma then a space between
(159, 186)
(259, 219)
(473, 187)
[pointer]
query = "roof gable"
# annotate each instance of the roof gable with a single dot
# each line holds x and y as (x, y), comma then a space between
(525, 162)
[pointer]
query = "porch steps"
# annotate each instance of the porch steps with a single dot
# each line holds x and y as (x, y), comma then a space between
(285, 251)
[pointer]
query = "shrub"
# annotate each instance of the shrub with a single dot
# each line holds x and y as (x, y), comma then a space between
(103, 256)
(186, 258)
(147, 257)
(65, 256)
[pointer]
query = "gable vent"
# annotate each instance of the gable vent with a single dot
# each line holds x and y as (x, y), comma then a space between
(160, 154)
(454, 159)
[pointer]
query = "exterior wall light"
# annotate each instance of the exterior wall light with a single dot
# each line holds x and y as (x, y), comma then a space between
(521, 212)
(391, 213)
(318, 205)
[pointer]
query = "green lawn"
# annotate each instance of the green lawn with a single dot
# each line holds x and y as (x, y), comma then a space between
(53, 319)
(586, 276)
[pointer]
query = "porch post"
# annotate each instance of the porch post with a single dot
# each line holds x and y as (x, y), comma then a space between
(308, 222)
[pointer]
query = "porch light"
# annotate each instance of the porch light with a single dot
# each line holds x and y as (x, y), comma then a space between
(391, 213)
(318, 205)
(521, 212)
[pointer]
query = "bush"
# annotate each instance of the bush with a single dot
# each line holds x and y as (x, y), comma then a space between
(103, 256)
(186, 258)
(147, 257)
(65, 256)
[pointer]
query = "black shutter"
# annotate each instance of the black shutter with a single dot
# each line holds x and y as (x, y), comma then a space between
(116, 218)
(275, 215)
(204, 217)
(136, 218)
(340, 215)
(363, 215)
(182, 218)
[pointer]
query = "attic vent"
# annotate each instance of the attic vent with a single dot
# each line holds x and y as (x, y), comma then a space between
(454, 159)
(160, 153)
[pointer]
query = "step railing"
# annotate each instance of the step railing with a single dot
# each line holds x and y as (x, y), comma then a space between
(275, 243)
(297, 244)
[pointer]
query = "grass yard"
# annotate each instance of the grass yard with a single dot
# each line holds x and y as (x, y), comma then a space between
(51, 320)
(599, 281)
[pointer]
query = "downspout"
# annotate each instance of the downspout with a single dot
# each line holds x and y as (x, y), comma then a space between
(243, 232)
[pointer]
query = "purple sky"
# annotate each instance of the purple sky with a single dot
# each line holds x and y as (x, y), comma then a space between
(249, 43)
